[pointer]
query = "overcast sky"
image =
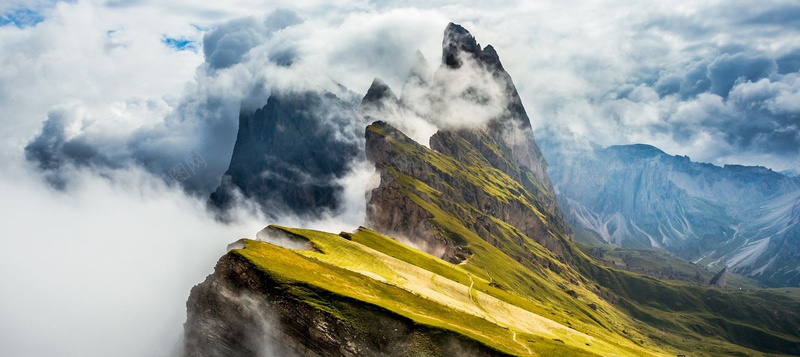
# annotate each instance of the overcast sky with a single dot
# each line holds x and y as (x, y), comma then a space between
(132, 88)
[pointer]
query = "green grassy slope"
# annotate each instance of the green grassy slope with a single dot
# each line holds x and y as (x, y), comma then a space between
(662, 265)
(466, 198)
(525, 289)
(380, 271)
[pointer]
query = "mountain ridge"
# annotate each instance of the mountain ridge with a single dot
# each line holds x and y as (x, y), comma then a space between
(495, 272)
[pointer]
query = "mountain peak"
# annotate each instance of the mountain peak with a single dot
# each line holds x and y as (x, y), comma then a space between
(420, 68)
(638, 150)
(378, 92)
(457, 39)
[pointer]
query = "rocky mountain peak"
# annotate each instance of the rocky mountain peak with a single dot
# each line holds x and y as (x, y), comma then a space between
(458, 40)
(273, 164)
(378, 92)
(418, 80)
(420, 72)
(421, 66)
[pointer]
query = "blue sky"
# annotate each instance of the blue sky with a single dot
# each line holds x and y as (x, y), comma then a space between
(181, 44)
(21, 17)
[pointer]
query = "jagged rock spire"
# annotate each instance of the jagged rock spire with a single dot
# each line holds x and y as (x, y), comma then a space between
(457, 39)
(416, 87)
(378, 92)
(421, 68)
(720, 279)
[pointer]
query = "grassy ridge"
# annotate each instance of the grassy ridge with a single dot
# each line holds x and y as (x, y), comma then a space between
(707, 320)
(661, 264)
(624, 306)
(513, 293)
(429, 291)
(301, 276)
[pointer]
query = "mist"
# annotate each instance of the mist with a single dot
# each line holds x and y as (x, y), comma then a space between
(105, 268)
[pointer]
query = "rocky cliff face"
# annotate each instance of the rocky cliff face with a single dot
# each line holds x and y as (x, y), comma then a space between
(637, 196)
(503, 142)
(289, 154)
(721, 279)
(511, 127)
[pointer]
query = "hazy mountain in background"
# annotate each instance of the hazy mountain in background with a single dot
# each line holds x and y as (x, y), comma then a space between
(791, 172)
(745, 218)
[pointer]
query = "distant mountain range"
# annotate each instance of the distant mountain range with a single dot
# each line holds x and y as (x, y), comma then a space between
(746, 218)
(791, 172)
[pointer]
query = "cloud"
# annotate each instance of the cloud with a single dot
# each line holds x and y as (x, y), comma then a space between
(565, 74)
(789, 62)
(782, 16)
(727, 70)
(245, 60)
(105, 268)
(706, 54)
(228, 43)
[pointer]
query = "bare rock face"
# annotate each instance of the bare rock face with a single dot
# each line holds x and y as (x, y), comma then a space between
(391, 210)
(289, 154)
(504, 142)
(511, 129)
(239, 311)
(720, 279)
(378, 94)
(411, 172)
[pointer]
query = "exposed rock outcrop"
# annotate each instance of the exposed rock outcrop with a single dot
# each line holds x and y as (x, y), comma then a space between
(464, 185)
(504, 142)
(378, 95)
(289, 154)
(517, 154)
(721, 279)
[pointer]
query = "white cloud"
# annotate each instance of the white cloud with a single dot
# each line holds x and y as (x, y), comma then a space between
(103, 269)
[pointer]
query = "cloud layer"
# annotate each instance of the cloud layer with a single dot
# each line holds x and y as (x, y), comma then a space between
(701, 80)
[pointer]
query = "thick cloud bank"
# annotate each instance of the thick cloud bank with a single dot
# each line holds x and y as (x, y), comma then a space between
(244, 61)
(104, 269)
